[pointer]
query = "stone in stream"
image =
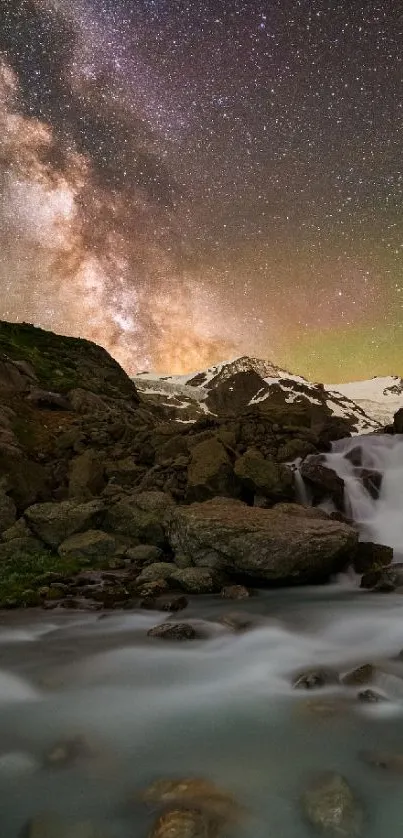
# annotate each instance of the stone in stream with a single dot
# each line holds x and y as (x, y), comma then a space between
(195, 792)
(313, 679)
(357, 677)
(173, 631)
(235, 592)
(331, 808)
(383, 759)
(371, 697)
(182, 823)
(236, 621)
(68, 752)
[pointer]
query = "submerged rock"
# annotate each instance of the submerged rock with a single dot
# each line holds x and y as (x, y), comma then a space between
(357, 677)
(173, 631)
(314, 679)
(182, 823)
(323, 481)
(371, 697)
(236, 622)
(331, 808)
(235, 592)
(195, 792)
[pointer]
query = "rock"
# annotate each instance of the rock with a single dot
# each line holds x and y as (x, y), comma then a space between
(144, 554)
(173, 631)
(385, 579)
(182, 823)
(8, 512)
(156, 502)
(260, 543)
(264, 477)
(313, 679)
(54, 522)
(18, 530)
(398, 422)
(26, 480)
(297, 510)
(20, 548)
(150, 590)
(371, 697)
(357, 677)
(237, 622)
(68, 752)
(198, 580)
(354, 455)
(235, 592)
(127, 518)
(155, 571)
(86, 475)
(210, 472)
(323, 481)
(124, 472)
(47, 400)
(383, 759)
(174, 604)
(371, 480)
(93, 544)
(294, 448)
(197, 792)
(370, 556)
(330, 807)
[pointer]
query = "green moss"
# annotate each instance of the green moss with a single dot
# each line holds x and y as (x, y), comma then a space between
(22, 581)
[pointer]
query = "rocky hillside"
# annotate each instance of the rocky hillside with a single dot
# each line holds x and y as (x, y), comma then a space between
(105, 501)
(379, 397)
(245, 382)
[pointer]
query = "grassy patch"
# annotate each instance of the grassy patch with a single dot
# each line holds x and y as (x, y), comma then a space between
(22, 578)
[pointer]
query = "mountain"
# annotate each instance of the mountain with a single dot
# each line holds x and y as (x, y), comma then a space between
(244, 382)
(379, 397)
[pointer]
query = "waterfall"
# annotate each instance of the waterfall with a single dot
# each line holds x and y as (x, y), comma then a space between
(379, 519)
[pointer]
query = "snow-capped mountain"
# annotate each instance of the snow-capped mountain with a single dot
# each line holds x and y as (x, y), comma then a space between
(245, 382)
(379, 397)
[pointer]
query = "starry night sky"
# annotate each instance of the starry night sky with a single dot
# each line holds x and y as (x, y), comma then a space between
(186, 181)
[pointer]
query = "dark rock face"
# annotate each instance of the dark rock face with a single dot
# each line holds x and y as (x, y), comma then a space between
(210, 472)
(371, 480)
(398, 422)
(372, 557)
(323, 481)
(263, 477)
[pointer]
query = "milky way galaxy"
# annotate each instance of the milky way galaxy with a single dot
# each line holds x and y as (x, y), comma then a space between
(185, 181)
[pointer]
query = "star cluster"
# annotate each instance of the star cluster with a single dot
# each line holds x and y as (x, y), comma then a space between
(185, 181)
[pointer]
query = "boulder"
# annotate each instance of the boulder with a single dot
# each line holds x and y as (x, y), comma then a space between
(128, 519)
(398, 422)
(143, 555)
(372, 557)
(384, 579)
(54, 522)
(313, 679)
(182, 823)
(210, 471)
(48, 400)
(26, 481)
(155, 571)
(323, 481)
(358, 677)
(235, 592)
(86, 475)
(20, 548)
(93, 544)
(8, 512)
(19, 529)
(371, 697)
(173, 631)
(371, 480)
(198, 580)
(264, 544)
(331, 808)
(264, 477)
(196, 792)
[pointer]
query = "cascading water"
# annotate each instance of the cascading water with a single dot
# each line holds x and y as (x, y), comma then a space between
(380, 518)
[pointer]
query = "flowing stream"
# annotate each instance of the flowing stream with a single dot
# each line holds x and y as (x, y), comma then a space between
(222, 707)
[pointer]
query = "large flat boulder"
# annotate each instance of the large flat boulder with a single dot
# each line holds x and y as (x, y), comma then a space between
(54, 522)
(267, 544)
(210, 471)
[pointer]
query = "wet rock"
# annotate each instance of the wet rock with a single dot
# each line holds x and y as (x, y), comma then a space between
(93, 544)
(371, 557)
(384, 580)
(156, 571)
(261, 543)
(398, 422)
(165, 603)
(371, 480)
(86, 475)
(235, 592)
(54, 522)
(237, 622)
(390, 762)
(182, 823)
(198, 580)
(314, 679)
(173, 631)
(323, 481)
(8, 512)
(210, 471)
(371, 697)
(68, 752)
(264, 477)
(150, 590)
(195, 792)
(357, 677)
(331, 808)
(355, 456)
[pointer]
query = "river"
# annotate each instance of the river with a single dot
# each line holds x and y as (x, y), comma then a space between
(222, 708)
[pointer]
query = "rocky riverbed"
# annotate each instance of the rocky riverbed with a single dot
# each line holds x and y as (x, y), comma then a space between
(95, 711)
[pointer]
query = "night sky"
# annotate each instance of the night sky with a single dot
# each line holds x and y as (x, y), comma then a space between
(184, 182)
